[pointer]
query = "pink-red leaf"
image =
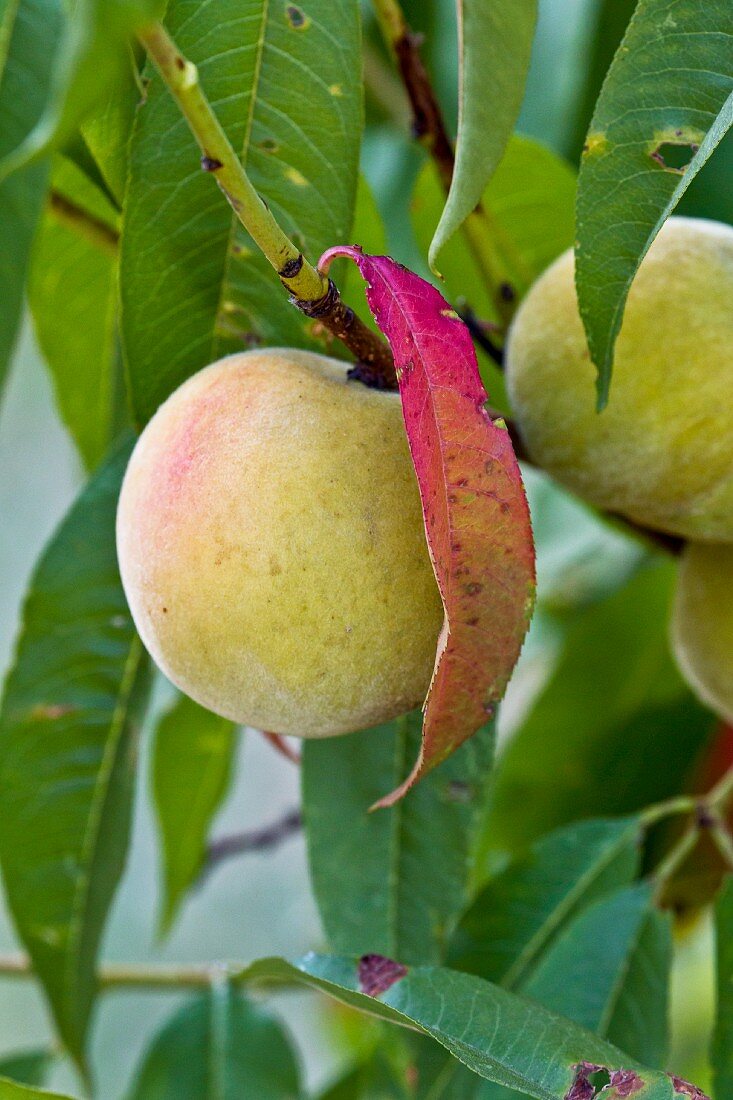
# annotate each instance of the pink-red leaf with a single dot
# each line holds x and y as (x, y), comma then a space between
(474, 506)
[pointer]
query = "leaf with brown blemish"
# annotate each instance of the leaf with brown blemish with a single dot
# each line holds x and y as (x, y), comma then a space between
(474, 506)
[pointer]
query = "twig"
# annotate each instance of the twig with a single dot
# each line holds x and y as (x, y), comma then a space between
(281, 745)
(254, 840)
(310, 291)
(481, 334)
(95, 230)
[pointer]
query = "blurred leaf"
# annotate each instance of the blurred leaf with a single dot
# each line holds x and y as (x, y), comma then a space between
(289, 99)
(614, 729)
(68, 730)
(27, 1068)
(369, 233)
(668, 91)
(10, 1090)
(521, 911)
(72, 292)
(495, 42)
(595, 562)
(374, 1079)
(476, 1021)
(722, 1048)
(219, 1046)
(192, 765)
(91, 56)
(28, 33)
(394, 881)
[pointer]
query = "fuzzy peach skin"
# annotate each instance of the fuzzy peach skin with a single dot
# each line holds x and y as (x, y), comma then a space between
(272, 548)
(661, 453)
(702, 624)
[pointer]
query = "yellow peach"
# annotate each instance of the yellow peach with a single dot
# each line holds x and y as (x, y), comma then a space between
(702, 623)
(661, 453)
(272, 549)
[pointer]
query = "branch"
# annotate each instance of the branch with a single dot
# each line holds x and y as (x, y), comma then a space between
(81, 221)
(255, 840)
(310, 291)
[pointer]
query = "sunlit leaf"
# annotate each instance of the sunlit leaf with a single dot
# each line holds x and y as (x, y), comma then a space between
(495, 40)
(289, 101)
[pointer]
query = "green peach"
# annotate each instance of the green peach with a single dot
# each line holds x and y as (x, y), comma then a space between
(661, 453)
(702, 623)
(272, 548)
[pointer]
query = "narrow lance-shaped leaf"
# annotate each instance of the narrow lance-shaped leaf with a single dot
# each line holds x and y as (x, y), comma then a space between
(479, 1023)
(519, 914)
(474, 506)
(67, 752)
(391, 883)
(192, 766)
(219, 1046)
(290, 101)
(495, 42)
(72, 291)
(28, 32)
(669, 89)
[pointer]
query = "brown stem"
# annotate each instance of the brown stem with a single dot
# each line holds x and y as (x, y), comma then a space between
(95, 230)
(254, 840)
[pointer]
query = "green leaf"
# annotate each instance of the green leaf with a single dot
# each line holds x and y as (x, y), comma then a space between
(479, 1023)
(219, 1046)
(192, 766)
(495, 42)
(520, 913)
(722, 1048)
(68, 731)
(290, 100)
(72, 291)
(27, 1068)
(669, 90)
(108, 130)
(393, 881)
(598, 972)
(91, 56)
(375, 1079)
(28, 33)
(10, 1090)
(615, 727)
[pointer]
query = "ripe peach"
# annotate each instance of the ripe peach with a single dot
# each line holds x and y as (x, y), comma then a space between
(272, 548)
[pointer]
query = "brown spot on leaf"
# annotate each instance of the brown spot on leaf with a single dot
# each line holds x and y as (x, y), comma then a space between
(684, 1088)
(473, 588)
(296, 17)
(625, 1082)
(377, 973)
(210, 164)
(50, 712)
(581, 1088)
(290, 269)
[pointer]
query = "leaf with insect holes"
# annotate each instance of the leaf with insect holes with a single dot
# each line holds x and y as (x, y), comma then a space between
(474, 506)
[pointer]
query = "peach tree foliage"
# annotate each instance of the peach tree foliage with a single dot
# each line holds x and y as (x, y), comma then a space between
(506, 921)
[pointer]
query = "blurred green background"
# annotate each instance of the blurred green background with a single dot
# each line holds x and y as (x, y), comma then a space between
(261, 904)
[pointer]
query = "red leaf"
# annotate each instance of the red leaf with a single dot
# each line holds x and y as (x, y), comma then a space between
(474, 506)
